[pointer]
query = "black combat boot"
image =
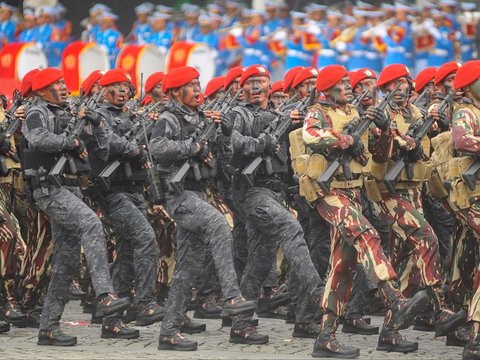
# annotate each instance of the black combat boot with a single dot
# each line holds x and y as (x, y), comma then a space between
(391, 340)
(116, 329)
(472, 350)
(208, 309)
(150, 314)
(176, 342)
(33, 319)
(424, 322)
(327, 346)
(75, 291)
(359, 326)
(109, 303)
(238, 305)
(12, 314)
(445, 319)
(4, 327)
(191, 327)
(404, 310)
(458, 337)
(306, 331)
(227, 322)
(248, 335)
(56, 338)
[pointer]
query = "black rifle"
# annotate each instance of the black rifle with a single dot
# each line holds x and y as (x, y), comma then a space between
(73, 130)
(359, 99)
(8, 128)
(355, 128)
(204, 132)
(417, 131)
(137, 133)
(277, 128)
(470, 176)
(423, 95)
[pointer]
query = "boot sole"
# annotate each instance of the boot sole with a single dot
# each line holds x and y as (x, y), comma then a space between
(111, 310)
(457, 343)
(193, 331)
(54, 343)
(176, 348)
(271, 316)
(206, 316)
(373, 331)
(405, 320)
(123, 337)
(393, 348)
(445, 329)
(4, 329)
(329, 354)
(424, 328)
(248, 342)
(234, 312)
(20, 323)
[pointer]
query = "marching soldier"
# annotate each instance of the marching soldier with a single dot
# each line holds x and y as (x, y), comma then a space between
(198, 223)
(352, 235)
(73, 223)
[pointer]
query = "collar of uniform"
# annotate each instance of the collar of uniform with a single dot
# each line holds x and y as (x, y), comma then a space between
(52, 107)
(112, 107)
(182, 108)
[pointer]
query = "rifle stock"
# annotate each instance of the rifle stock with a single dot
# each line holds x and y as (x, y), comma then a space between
(470, 176)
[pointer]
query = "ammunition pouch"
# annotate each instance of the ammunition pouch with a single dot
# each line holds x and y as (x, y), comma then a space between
(457, 166)
(460, 195)
(308, 188)
(436, 188)
(372, 190)
(317, 164)
(34, 160)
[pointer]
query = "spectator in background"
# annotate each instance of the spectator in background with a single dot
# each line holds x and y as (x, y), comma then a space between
(141, 30)
(29, 32)
(8, 27)
(109, 37)
(160, 37)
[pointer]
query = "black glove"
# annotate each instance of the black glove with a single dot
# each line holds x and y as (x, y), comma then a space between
(93, 118)
(417, 153)
(270, 144)
(4, 144)
(202, 154)
(380, 119)
(228, 121)
(357, 148)
(141, 158)
(79, 149)
(443, 122)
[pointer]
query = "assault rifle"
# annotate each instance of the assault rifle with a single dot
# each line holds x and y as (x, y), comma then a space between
(137, 133)
(355, 128)
(423, 95)
(358, 100)
(470, 176)
(417, 132)
(8, 128)
(73, 130)
(277, 128)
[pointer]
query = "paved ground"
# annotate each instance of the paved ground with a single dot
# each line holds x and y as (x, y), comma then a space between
(21, 343)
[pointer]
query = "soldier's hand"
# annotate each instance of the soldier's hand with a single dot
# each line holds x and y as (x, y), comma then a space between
(202, 150)
(80, 149)
(216, 117)
(208, 113)
(378, 117)
(296, 116)
(90, 116)
(227, 123)
(357, 148)
(153, 116)
(20, 113)
(141, 158)
(208, 158)
(270, 145)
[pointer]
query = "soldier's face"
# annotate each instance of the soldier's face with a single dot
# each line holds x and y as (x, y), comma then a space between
(234, 88)
(55, 93)
(306, 87)
(157, 93)
(189, 95)
(362, 86)
(475, 90)
(117, 93)
(278, 98)
(341, 93)
(95, 89)
(444, 87)
(256, 90)
(403, 92)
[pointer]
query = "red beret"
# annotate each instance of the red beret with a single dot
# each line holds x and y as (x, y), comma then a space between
(276, 87)
(146, 100)
(424, 77)
(445, 70)
(113, 76)
(26, 86)
(214, 85)
(153, 80)
(360, 74)
(392, 72)
(467, 74)
(46, 77)
(290, 76)
(254, 70)
(91, 79)
(179, 76)
(329, 76)
(304, 74)
(234, 73)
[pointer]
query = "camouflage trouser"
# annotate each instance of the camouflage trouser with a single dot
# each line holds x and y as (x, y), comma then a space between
(413, 238)
(12, 246)
(198, 224)
(269, 225)
(466, 260)
(354, 240)
(135, 248)
(74, 224)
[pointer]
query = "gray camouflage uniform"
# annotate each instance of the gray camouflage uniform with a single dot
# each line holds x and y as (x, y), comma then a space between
(198, 222)
(73, 223)
(269, 224)
(124, 206)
